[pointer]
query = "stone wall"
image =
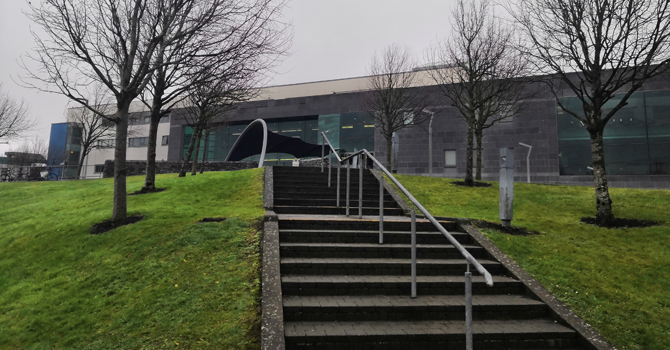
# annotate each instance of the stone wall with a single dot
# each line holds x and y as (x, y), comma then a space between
(138, 167)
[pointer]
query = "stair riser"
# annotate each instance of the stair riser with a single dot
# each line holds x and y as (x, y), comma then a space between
(365, 225)
(331, 197)
(427, 342)
(292, 179)
(381, 269)
(398, 288)
(389, 238)
(420, 313)
(335, 211)
(380, 252)
(353, 191)
(353, 202)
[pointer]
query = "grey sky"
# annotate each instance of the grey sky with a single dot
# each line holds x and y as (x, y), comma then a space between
(332, 39)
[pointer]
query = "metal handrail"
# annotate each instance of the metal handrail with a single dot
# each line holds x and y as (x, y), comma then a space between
(415, 203)
(459, 247)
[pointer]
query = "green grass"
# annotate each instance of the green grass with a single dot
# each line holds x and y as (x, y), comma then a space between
(618, 280)
(162, 283)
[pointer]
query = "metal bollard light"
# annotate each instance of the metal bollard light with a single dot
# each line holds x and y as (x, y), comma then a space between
(381, 208)
(360, 187)
(413, 252)
(506, 199)
(348, 180)
(468, 309)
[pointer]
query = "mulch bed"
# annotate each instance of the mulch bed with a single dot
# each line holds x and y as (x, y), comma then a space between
(145, 191)
(212, 219)
(512, 230)
(622, 223)
(109, 225)
(474, 184)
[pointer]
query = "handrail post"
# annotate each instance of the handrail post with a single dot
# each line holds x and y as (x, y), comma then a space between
(348, 180)
(330, 158)
(468, 309)
(413, 252)
(360, 186)
(381, 209)
(338, 183)
(323, 150)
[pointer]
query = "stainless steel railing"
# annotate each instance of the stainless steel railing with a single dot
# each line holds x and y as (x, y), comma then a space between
(415, 204)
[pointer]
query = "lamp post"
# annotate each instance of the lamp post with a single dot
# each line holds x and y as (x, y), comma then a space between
(430, 142)
(530, 148)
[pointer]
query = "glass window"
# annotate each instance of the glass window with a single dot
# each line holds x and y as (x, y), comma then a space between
(330, 124)
(165, 140)
(111, 143)
(138, 141)
(449, 158)
(165, 119)
(99, 168)
(629, 137)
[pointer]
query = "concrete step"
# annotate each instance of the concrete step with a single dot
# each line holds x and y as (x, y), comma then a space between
(353, 178)
(367, 223)
(403, 307)
(425, 335)
(332, 195)
(318, 188)
(333, 210)
(320, 202)
(372, 266)
(394, 285)
(375, 250)
(371, 236)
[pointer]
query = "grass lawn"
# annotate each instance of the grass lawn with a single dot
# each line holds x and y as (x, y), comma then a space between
(618, 280)
(165, 282)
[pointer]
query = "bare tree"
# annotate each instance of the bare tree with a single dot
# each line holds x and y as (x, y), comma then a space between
(246, 33)
(14, 118)
(209, 105)
(393, 99)
(484, 77)
(90, 126)
(600, 51)
(108, 41)
(24, 160)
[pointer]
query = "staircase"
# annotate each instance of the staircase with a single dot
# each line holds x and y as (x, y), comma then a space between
(343, 290)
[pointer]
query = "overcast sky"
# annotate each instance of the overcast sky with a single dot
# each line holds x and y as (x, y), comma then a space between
(332, 39)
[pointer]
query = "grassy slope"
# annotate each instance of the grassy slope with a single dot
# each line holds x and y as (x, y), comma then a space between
(162, 281)
(617, 280)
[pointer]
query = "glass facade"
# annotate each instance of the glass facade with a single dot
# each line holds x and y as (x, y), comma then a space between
(348, 131)
(636, 139)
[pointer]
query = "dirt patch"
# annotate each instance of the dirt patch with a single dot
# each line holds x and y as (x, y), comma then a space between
(109, 225)
(622, 223)
(145, 191)
(512, 230)
(474, 184)
(212, 219)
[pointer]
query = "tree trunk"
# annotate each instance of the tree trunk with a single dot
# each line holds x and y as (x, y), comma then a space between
(150, 177)
(204, 153)
(189, 152)
(468, 156)
(120, 210)
(194, 168)
(478, 135)
(604, 216)
(80, 165)
(389, 145)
